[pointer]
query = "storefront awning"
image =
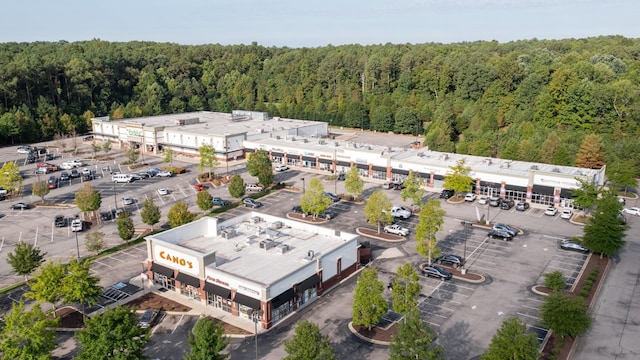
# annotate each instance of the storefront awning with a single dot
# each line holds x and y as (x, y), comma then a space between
(282, 298)
(308, 283)
(157, 268)
(188, 279)
(217, 290)
(247, 301)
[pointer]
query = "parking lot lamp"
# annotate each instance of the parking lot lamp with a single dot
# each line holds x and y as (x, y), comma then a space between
(463, 270)
(256, 315)
(77, 245)
(302, 185)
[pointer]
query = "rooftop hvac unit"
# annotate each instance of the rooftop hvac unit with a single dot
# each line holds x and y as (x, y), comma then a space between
(267, 244)
(487, 161)
(556, 170)
(321, 142)
(534, 167)
(277, 225)
(229, 233)
(281, 249)
(272, 232)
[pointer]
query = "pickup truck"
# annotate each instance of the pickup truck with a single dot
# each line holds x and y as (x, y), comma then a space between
(220, 202)
(396, 229)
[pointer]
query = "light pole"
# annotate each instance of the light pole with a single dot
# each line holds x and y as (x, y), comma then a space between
(302, 185)
(77, 245)
(463, 270)
(256, 315)
(226, 156)
(335, 172)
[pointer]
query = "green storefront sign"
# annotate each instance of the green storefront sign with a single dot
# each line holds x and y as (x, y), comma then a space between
(134, 132)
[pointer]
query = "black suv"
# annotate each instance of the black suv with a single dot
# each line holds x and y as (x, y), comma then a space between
(60, 221)
(446, 194)
(522, 206)
(451, 259)
(506, 204)
(500, 234)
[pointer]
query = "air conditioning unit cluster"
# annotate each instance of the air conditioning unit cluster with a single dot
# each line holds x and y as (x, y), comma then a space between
(282, 248)
(267, 244)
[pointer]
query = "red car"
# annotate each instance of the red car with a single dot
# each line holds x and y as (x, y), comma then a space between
(199, 187)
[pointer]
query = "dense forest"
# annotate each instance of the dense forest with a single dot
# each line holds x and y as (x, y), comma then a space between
(534, 100)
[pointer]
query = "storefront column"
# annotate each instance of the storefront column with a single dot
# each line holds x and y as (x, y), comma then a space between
(503, 190)
(317, 163)
(389, 174)
(477, 186)
(529, 192)
(431, 179)
(370, 170)
(556, 196)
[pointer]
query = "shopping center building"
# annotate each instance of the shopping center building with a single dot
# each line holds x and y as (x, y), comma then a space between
(252, 263)
(307, 145)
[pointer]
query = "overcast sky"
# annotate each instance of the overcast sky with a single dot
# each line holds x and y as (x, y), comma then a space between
(309, 23)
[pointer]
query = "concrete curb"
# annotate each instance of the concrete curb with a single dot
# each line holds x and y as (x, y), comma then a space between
(535, 290)
(400, 238)
(322, 221)
(471, 281)
(377, 342)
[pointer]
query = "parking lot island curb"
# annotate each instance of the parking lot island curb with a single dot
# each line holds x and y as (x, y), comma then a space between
(356, 333)
(367, 232)
(479, 279)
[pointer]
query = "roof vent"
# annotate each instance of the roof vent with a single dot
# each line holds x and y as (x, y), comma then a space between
(556, 170)
(534, 167)
(281, 249)
(487, 161)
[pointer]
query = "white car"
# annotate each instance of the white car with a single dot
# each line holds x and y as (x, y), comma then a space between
(470, 197)
(483, 200)
(566, 214)
(400, 212)
(67, 166)
(127, 200)
(163, 191)
(77, 225)
(551, 211)
(281, 167)
(24, 150)
(632, 211)
(396, 229)
(164, 173)
(253, 187)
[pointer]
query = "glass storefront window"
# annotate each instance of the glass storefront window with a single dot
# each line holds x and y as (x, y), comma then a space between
(164, 281)
(282, 311)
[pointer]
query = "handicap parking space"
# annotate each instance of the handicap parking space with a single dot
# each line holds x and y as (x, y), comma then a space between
(440, 299)
(169, 336)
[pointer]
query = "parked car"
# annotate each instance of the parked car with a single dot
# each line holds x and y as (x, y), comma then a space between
(153, 171)
(503, 227)
(143, 175)
(127, 200)
(436, 271)
(566, 214)
(398, 185)
(19, 206)
(198, 187)
(52, 183)
(249, 202)
(500, 234)
(3, 191)
(494, 201)
(108, 215)
(164, 173)
(41, 171)
(522, 206)
(135, 176)
(66, 166)
(220, 202)
(387, 185)
(341, 177)
(253, 187)
(60, 221)
(281, 167)
(298, 210)
(451, 259)
(506, 204)
(446, 194)
(327, 214)
(148, 318)
(574, 246)
(396, 229)
(483, 200)
(74, 174)
(632, 211)
(470, 197)
(86, 171)
(551, 211)
(332, 196)
(77, 225)
(400, 212)
(24, 150)
(64, 176)
(163, 191)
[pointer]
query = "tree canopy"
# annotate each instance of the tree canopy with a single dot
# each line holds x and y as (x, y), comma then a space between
(512, 341)
(308, 343)
(207, 341)
(27, 334)
(414, 340)
(313, 200)
(179, 214)
(259, 165)
(25, 258)
(430, 221)
(368, 304)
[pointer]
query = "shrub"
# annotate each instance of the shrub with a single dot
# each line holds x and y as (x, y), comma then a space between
(555, 280)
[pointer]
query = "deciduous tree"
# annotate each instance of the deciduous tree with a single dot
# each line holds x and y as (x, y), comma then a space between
(405, 289)
(132, 156)
(207, 341)
(25, 258)
(586, 195)
(591, 153)
(88, 199)
(27, 334)
(236, 186)
(313, 200)
(125, 226)
(40, 188)
(207, 158)
(430, 221)
(204, 200)
(179, 215)
(378, 209)
(150, 212)
(168, 157)
(259, 165)
(308, 343)
(353, 183)
(604, 233)
(94, 241)
(457, 178)
(513, 342)
(412, 190)
(414, 340)
(106, 147)
(555, 280)
(78, 285)
(369, 306)
(565, 314)
(46, 285)
(112, 334)
(10, 178)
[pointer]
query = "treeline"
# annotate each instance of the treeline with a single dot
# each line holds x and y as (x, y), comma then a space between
(526, 100)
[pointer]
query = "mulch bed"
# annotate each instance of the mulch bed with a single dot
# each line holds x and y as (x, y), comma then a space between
(308, 218)
(376, 333)
(594, 262)
(379, 235)
(152, 300)
(69, 318)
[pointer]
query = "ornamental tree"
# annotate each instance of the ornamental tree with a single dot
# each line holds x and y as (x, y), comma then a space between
(412, 190)
(259, 165)
(25, 258)
(378, 209)
(27, 334)
(179, 215)
(207, 158)
(40, 188)
(204, 200)
(207, 341)
(308, 343)
(236, 186)
(10, 178)
(457, 178)
(94, 241)
(353, 183)
(565, 314)
(112, 334)
(405, 289)
(150, 212)
(125, 226)
(313, 200)
(512, 341)
(88, 199)
(369, 306)
(430, 221)
(46, 285)
(604, 233)
(414, 340)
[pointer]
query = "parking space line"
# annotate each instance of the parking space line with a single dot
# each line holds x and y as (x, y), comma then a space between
(531, 307)
(116, 259)
(101, 263)
(529, 316)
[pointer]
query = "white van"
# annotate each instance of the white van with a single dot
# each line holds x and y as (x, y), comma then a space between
(121, 178)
